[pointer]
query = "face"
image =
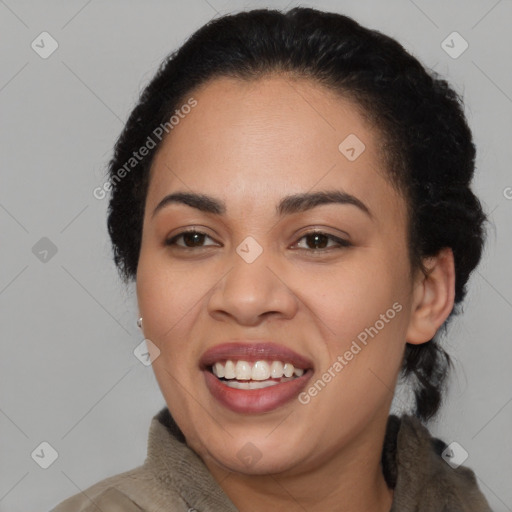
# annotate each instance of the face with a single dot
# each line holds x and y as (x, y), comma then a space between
(305, 302)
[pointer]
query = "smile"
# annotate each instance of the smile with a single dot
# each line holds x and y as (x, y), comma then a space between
(254, 378)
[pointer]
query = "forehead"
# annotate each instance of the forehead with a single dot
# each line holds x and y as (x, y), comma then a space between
(249, 141)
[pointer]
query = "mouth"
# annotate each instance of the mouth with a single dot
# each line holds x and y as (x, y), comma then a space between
(254, 377)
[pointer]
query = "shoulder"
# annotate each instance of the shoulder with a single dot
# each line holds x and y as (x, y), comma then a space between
(105, 495)
(132, 491)
(109, 500)
(424, 474)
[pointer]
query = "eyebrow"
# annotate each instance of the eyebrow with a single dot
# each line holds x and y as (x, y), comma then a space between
(296, 203)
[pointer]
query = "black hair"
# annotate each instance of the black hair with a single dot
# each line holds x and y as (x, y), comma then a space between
(427, 144)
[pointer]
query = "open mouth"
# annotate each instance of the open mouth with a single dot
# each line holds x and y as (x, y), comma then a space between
(254, 377)
(254, 374)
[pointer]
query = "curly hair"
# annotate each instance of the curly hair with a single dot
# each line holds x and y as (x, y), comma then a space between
(427, 144)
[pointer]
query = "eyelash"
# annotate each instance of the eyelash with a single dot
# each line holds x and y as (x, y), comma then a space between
(342, 244)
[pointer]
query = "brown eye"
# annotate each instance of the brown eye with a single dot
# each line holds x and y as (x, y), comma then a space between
(319, 240)
(191, 239)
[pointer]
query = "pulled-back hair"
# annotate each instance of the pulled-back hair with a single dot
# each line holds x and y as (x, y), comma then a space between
(427, 145)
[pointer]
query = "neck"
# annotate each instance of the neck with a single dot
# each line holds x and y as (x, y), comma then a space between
(349, 481)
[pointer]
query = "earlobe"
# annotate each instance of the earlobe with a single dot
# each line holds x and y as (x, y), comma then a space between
(433, 297)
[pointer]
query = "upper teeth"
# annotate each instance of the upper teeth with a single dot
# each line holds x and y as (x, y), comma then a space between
(259, 370)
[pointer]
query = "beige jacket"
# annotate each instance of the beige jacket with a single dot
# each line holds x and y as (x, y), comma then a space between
(174, 479)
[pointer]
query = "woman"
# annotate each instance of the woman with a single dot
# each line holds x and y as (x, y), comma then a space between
(292, 198)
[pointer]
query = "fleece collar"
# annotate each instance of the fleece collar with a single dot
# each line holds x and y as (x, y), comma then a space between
(411, 463)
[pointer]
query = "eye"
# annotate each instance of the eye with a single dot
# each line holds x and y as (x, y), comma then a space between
(320, 239)
(191, 239)
(195, 239)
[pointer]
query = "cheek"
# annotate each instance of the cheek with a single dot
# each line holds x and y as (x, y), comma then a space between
(164, 298)
(353, 297)
(366, 311)
(171, 298)
(165, 291)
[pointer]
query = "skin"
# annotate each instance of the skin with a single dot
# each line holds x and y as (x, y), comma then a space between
(250, 144)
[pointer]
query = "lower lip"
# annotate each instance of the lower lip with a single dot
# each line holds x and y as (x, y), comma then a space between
(255, 400)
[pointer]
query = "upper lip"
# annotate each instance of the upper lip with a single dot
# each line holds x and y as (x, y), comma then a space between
(253, 351)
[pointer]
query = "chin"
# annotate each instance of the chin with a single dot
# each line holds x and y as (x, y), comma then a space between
(253, 463)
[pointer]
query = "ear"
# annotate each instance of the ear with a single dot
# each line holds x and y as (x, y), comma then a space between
(433, 297)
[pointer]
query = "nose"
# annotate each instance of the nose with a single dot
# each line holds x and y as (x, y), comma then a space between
(251, 292)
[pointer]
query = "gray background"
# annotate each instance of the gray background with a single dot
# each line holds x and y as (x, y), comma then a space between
(68, 375)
